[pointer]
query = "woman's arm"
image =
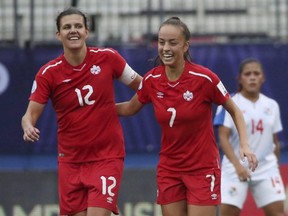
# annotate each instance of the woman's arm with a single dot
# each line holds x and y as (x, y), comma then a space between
(224, 134)
(29, 120)
(129, 108)
(239, 122)
(135, 83)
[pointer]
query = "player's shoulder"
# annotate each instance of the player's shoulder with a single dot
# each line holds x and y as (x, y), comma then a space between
(154, 74)
(235, 96)
(51, 66)
(268, 100)
(102, 51)
(201, 72)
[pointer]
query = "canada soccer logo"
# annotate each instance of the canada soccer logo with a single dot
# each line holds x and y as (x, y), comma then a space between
(188, 96)
(95, 70)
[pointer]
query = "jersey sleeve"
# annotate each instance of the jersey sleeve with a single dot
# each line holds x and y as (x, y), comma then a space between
(143, 90)
(217, 92)
(40, 91)
(220, 95)
(117, 62)
(278, 124)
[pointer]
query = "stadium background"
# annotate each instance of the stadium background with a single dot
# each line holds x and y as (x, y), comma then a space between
(223, 33)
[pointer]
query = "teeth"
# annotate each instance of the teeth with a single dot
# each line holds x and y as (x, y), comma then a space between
(167, 56)
(73, 38)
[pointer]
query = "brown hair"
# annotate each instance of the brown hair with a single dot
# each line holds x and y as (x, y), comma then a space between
(186, 33)
(71, 11)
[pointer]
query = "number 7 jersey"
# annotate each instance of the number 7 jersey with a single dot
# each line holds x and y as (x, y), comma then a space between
(183, 109)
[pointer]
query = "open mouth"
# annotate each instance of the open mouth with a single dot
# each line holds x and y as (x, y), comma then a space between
(73, 38)
(167, 56)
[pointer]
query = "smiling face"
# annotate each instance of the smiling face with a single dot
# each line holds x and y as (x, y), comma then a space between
(72, 32)
(172, 45)
(251, 78)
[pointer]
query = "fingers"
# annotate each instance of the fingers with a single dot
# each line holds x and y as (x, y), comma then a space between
(244, 179)
(250, 161)
(31, 135)
(243, 171)
(253, 162)
(242, 156)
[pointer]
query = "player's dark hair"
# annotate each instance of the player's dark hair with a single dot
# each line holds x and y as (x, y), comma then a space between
(175, 21)
(71, 11)
(243, 64)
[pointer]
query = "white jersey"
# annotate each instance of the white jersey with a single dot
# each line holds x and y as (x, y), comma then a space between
(262, 120)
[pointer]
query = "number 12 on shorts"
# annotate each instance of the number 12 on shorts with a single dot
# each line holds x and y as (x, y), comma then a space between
(107, 189)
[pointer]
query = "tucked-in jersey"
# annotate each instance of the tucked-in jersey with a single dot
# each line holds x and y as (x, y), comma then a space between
(83, 98)
(262, 120)
(184, 111)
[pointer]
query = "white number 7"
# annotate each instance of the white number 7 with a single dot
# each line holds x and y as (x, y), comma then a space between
(212, 184)
(173, 111)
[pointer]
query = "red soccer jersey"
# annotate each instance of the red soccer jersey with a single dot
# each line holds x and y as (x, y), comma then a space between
(83, 98)
(184, 111)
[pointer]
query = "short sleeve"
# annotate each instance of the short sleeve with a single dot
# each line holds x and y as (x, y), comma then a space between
(143, 91)
(278, 124)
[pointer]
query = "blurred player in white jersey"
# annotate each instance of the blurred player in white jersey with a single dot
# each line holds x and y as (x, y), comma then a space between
(262, 118)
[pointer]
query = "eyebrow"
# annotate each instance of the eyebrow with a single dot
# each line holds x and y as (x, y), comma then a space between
(173, 39)
(69, 24)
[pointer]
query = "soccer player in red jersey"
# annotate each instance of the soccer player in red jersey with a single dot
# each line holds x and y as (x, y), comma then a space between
(182, 94)
(90, 139)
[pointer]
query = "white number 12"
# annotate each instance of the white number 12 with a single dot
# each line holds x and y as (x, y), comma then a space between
(87, 100)
(108, 189)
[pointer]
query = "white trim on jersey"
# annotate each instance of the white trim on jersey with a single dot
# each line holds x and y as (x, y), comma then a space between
(202, 75)
(153, 76)
(101, 50)
(128, 75)
(57, 63)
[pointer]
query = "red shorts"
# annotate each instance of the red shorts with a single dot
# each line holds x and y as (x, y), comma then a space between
(198, 188)
(91, 184)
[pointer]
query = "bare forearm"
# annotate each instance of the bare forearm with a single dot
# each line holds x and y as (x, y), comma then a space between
(135, 84)
(123, 109)
(239, 122)
(241, 128)
(129, 108)
(229, 152)
(224, 134)
(29, 120)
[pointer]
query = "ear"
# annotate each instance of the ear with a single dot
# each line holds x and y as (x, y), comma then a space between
(87, 33)
(263, 80)
(58, 35)
(186, 46)
(238, 78)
